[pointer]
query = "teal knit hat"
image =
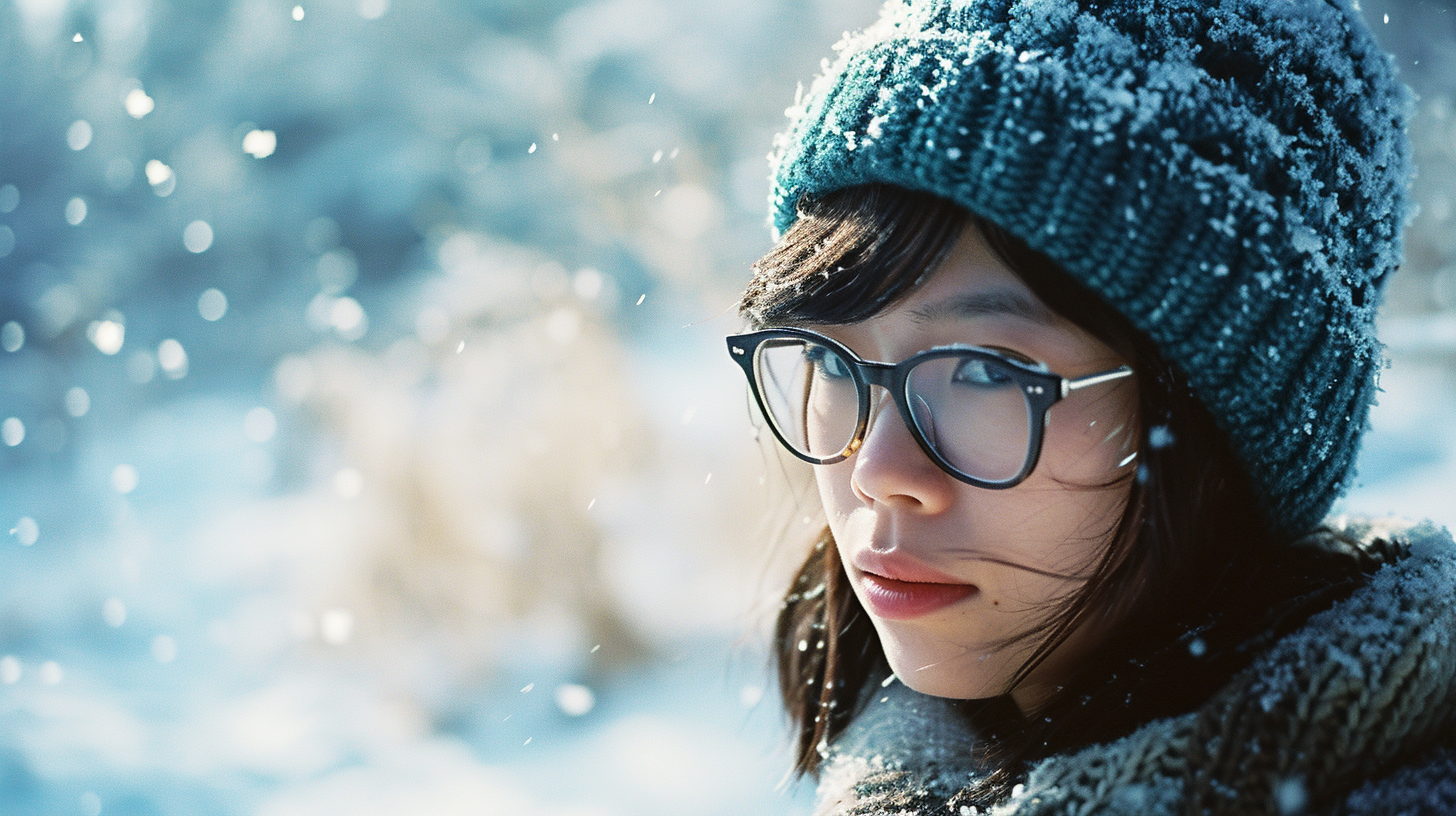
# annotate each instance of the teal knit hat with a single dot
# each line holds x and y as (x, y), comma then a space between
(1229, 174)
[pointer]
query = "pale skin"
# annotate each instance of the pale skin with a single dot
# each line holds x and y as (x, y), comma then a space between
(1022, 549)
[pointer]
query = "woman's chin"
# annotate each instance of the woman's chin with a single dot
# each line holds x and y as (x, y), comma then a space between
(975, 676)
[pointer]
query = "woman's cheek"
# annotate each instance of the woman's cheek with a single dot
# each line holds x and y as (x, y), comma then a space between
(1092, 442)
(835, 493)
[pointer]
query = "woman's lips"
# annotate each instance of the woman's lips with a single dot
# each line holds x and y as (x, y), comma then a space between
(902, 600)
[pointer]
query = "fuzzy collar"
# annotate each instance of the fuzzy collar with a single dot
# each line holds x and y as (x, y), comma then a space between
(1350, 696)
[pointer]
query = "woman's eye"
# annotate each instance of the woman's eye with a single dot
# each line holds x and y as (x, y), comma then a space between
(826, 363)
(1013, 354)
(977, 372)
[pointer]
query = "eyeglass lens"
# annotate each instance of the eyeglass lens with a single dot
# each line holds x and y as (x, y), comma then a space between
(968, 408)
(972, 413)
(810, 395)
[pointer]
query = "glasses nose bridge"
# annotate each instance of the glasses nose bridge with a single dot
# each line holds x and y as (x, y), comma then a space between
(883, 376)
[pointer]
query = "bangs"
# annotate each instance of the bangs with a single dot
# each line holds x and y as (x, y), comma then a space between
(850, 255)
(855, 252)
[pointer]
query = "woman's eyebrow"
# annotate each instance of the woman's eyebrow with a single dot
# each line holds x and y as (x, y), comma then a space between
(983, 304)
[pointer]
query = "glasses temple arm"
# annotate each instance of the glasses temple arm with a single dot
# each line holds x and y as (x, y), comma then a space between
(1068, 386)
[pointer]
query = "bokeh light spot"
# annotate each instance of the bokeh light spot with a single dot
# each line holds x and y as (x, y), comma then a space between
(77, 402)
(12, 431)
(173, 359)
(348, 319)
(79, 134)
(124, 479)
(10, 670)
(138, 104)
(161, 177)
(373, 9)
(51, 673)
(197, 237)
(157, 172)
(26, 531)
(336, 626)
(575, 700)
(212, 305)
(12, 336)
(107, 335)
(76, 211)
(260, 144)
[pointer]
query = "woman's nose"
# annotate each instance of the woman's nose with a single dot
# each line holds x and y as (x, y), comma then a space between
(891, 469)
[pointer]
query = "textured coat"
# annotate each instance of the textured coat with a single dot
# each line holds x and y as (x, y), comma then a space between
(1354, 712)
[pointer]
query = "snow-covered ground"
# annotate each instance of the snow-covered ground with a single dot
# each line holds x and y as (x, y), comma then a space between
(206, 644)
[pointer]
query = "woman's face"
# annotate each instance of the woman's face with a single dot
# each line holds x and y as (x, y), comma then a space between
(949, 572)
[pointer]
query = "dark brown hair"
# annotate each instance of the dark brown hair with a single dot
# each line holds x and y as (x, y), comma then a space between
(1189, 531)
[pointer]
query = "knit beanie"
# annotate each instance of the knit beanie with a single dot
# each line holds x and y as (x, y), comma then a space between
(1229, 174)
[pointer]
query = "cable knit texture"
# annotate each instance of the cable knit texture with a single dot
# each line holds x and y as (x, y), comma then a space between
(1353, 713)
(1229, 174)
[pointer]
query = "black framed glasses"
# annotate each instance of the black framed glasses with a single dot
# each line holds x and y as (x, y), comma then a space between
(977, 413)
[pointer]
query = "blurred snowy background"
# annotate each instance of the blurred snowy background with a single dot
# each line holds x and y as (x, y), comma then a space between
(368, 442)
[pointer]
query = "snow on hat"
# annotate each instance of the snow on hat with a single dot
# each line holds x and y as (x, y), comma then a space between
(1229, 174)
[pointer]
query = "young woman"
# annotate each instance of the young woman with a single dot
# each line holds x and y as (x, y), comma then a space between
(1072, 310)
